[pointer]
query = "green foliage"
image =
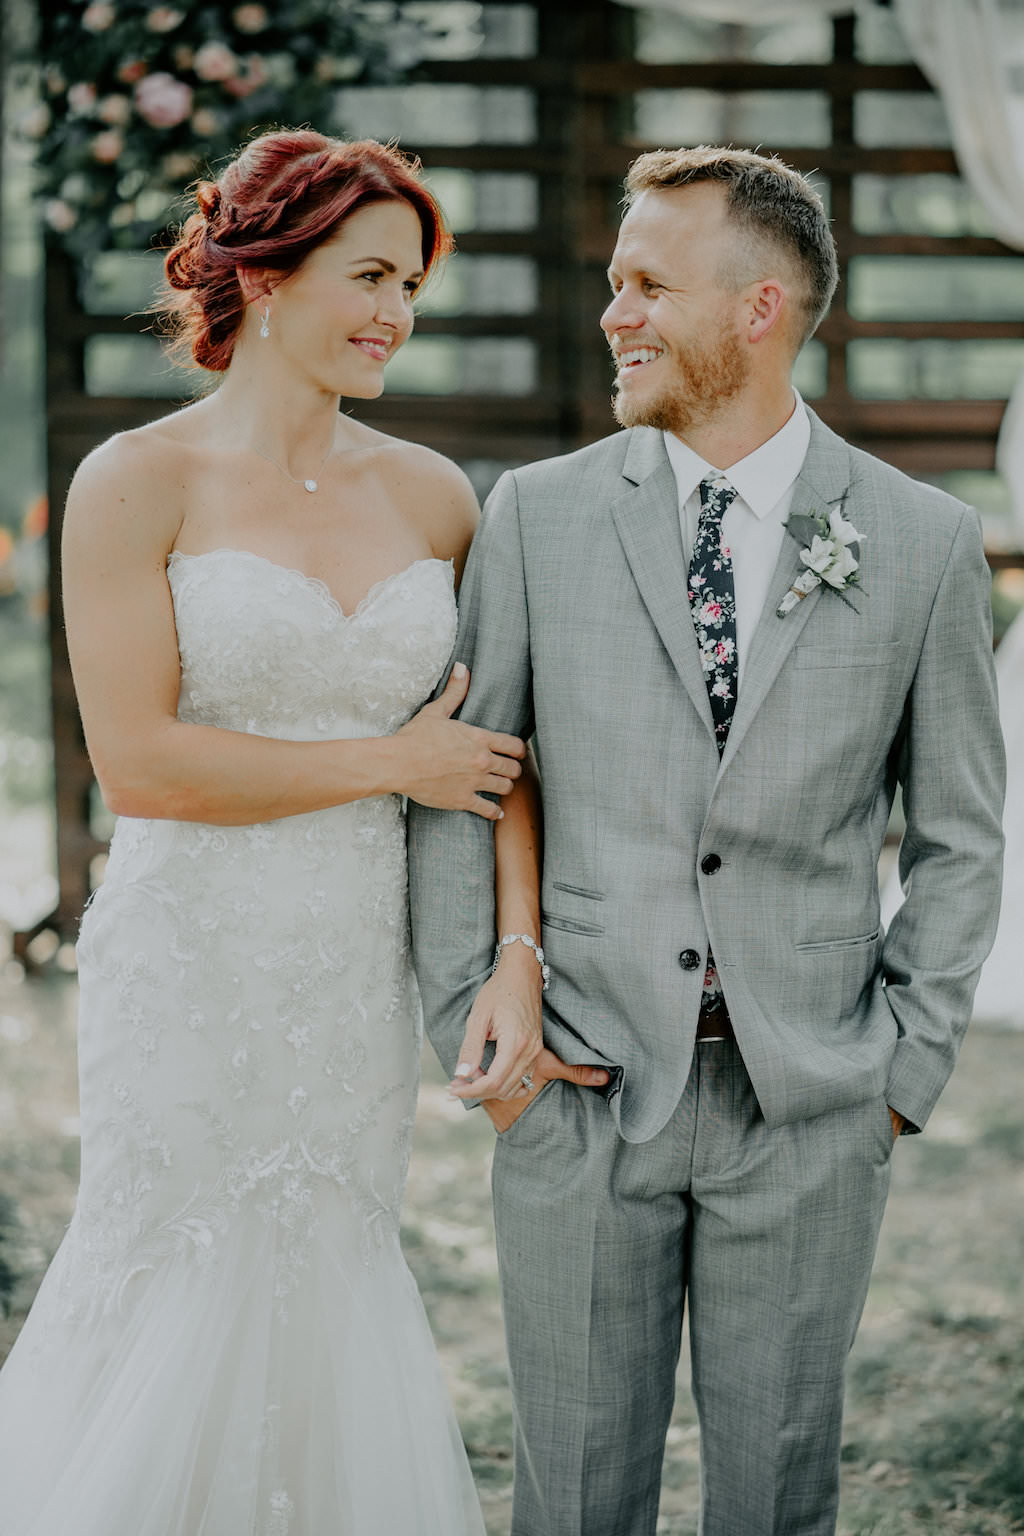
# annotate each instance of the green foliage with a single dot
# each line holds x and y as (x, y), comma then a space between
(136, 98)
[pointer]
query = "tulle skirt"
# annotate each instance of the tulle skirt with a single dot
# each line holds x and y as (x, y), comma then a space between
(203, 1406)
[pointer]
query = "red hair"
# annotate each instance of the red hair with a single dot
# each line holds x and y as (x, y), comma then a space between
(285, 194)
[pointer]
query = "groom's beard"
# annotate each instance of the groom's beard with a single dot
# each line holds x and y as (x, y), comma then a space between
(705, 376)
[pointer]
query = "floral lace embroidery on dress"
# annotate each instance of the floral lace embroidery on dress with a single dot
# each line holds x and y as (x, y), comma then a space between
(249, 1051)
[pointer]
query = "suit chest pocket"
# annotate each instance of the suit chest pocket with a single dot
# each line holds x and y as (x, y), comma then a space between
(861, 653)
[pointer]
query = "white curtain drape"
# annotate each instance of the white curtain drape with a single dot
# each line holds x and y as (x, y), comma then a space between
(973, 53)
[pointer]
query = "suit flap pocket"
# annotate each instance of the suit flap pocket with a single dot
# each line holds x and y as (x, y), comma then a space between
(577, 890)
(825, 946)
(569, 924)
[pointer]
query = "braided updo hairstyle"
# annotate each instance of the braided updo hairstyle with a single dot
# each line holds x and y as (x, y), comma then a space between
(285, 194)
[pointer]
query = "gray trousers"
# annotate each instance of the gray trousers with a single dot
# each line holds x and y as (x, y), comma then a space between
(769, 1235)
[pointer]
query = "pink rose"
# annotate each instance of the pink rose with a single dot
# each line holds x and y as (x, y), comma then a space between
(82, 98)
(250, 18)
(163, 100)
(131, 70)
(252, 77)
(163, 18)
(115, 109)
(215, 61)
(98, 16)
(108, 146)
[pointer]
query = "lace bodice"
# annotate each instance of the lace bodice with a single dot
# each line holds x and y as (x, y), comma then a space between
(268, 650)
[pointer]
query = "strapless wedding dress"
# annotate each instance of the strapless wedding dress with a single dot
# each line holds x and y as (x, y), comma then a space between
(229, 1342)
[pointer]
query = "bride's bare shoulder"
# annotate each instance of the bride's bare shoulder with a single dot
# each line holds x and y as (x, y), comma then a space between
(434, 492)
(134, 482)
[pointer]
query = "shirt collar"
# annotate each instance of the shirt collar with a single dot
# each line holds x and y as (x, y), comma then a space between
(763, 477)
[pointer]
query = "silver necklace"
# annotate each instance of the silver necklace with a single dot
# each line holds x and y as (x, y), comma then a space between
(311, 484)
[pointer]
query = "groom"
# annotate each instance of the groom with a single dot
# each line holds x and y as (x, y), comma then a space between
(721, 726)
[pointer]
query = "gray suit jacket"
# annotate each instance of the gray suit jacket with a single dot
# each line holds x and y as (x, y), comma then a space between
(575, 623)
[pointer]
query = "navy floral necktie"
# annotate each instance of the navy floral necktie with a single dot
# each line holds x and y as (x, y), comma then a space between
(712, 595)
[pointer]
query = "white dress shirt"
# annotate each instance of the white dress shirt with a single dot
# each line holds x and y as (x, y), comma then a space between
(753, 525)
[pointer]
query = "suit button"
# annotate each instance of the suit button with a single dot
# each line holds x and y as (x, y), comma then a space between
(689, 959)
(711, 863)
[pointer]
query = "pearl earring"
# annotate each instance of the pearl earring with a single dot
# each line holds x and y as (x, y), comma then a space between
(265, 323)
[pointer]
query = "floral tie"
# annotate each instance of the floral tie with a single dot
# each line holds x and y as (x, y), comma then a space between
(712, 595)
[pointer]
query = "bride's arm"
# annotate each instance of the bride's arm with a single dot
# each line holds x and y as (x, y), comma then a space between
(119, 526)
(507, 1008)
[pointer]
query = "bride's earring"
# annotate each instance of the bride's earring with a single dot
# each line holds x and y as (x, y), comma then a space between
(265, 323)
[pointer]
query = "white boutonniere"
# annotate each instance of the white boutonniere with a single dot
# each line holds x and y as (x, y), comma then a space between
(831, 555)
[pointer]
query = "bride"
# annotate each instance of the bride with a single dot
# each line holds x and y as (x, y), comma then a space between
(259, 599)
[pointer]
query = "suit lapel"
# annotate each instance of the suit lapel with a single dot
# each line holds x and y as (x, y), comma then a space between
(647, 519)
(823, 481)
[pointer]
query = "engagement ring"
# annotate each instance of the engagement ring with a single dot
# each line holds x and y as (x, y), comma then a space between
(527, 1080)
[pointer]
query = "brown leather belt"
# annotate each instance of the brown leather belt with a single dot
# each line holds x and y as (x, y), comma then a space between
(714, 1022)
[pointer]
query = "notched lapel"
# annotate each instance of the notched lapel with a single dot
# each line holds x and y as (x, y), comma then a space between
(823, 482)
(647, 520)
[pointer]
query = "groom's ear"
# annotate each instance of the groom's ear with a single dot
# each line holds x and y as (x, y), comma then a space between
(768, 304)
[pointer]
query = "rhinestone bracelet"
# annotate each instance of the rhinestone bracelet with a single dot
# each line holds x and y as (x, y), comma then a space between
(524, 938)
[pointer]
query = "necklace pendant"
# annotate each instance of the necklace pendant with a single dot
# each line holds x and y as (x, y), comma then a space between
(311, 485)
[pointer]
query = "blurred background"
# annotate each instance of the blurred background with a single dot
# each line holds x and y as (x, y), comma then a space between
(909, 117)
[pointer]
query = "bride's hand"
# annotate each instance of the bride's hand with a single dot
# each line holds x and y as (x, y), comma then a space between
(450, 765)
(507, 1010)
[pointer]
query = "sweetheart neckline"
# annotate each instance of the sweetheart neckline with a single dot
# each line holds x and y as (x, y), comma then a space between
(315, 582)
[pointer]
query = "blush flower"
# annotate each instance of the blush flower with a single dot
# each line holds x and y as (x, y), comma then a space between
(215, 61)
(98, 16)
(114, 109)
(108, 146)
(163, 100)
(164, 18)
(131, 70)
(253, 75)
(82, 98)
(250, 18)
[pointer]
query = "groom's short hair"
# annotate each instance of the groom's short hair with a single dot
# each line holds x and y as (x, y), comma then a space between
(767, 199)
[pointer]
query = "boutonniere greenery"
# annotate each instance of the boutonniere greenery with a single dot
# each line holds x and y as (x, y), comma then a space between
(831, 554)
